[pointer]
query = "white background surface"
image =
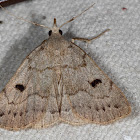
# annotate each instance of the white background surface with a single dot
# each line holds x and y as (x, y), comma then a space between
(117, 53)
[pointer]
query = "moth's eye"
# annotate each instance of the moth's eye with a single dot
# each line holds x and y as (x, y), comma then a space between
(60, 31)
(20, 87)
(50, 32)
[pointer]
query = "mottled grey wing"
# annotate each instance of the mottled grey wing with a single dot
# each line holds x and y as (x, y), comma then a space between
(92, 95)
(24, 100)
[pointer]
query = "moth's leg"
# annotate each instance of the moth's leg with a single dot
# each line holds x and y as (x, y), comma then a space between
(89, 40)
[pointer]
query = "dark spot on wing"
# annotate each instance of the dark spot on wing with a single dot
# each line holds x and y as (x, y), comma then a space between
(1, 114)
(84, 56)
(83, 64)
(108, 105)
(21, 113)
(116, 106)
(102, 97)
(53, 111)
(111, 83)
(1, 22)
(95, 82)
(103, 108)
(41, 48)
(15, 114)
(97, 109)
(70, 46)
(67, 109)
(29, 67)
(20, 87)
(89, 107)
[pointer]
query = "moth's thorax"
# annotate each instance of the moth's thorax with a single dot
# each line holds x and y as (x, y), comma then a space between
(57, 42)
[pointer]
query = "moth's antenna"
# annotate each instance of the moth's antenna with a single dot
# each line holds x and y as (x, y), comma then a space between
(76, 16)
(24, 19)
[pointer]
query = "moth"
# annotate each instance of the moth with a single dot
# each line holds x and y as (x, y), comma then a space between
(58, 82)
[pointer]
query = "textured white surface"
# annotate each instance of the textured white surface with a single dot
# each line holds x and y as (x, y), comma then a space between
(117, 53)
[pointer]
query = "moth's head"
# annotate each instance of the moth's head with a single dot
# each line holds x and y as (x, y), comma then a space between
(55, 29)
